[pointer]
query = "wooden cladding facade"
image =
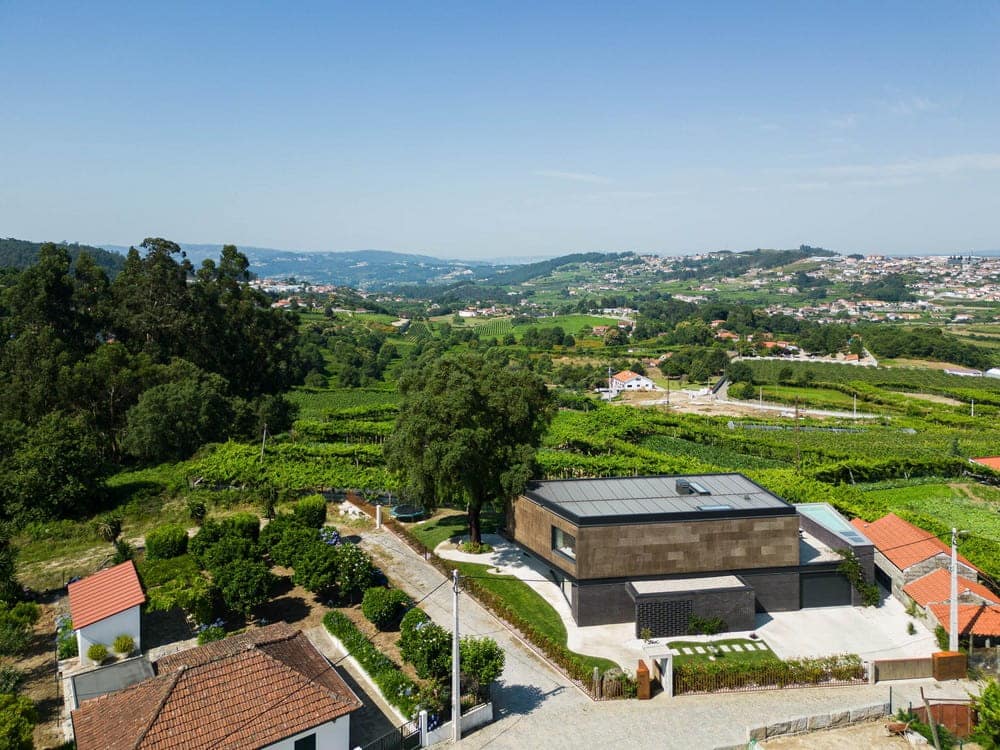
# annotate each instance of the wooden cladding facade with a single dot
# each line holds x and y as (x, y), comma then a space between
(659, 548)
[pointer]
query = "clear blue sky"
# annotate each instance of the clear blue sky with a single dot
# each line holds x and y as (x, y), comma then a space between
(475, 129)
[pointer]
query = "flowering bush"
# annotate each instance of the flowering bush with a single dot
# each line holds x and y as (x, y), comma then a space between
(66, 645)
(329, 535)
(211, 631)
(397, 688)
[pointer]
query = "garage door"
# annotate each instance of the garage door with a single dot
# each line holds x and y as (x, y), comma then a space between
(824, 589)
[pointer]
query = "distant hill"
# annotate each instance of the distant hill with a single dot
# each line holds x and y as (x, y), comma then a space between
(361, 269)
(22, 253)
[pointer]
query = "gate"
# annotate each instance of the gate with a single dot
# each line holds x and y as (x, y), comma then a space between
(404, 737)
(957, 715)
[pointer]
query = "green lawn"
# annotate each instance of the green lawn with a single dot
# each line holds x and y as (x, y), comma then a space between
(743, 657)
(514, 592)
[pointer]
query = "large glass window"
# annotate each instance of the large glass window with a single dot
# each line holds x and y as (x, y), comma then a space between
(563, 542)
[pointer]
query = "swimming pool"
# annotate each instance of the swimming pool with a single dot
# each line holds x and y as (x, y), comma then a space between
(827, 516)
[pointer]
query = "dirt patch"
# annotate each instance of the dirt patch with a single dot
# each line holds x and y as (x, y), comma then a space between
(931, 397)
(40, 684)
(862, 735)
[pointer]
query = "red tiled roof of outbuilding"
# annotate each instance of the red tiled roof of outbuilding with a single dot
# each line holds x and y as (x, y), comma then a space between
(104, 594)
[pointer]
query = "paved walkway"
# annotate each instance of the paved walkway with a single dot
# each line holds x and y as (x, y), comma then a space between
(539, 707)
(616, 642)
(528, 681)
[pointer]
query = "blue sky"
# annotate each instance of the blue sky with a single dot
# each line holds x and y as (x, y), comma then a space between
(476, 129)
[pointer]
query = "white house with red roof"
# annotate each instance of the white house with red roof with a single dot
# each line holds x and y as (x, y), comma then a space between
(626, 380)
(106, 605)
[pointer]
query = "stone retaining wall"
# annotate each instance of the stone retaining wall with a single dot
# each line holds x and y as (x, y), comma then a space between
(829, 720)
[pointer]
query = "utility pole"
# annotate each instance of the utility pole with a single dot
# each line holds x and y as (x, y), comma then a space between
(953, 615)
(263, 439)
(668, 390)
(760, 397)
(456, 675)
(973, 412)
(610, 394)
(798, 452)
(855, 405)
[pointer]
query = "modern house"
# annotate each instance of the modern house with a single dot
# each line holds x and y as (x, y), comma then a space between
(106, 605)
(904, 553)
(626, 380)
(267, 688)
(656, 550)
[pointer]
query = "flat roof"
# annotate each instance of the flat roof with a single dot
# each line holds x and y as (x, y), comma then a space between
(111, 678)
(609, 500)
(681, 585)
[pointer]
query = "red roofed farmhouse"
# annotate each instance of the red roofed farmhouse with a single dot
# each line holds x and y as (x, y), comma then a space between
(267, 688)
(626, 380)
(106, 605)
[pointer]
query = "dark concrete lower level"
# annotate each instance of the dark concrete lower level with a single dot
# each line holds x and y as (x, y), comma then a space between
(783, 590)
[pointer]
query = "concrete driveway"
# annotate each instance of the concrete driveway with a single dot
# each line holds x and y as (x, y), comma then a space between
(870, 632)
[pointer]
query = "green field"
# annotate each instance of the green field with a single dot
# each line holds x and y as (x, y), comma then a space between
(571, 324)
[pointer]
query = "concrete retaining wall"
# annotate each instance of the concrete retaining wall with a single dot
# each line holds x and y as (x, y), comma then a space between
(813, 723)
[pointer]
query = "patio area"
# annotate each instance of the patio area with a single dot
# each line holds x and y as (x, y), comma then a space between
(615, 642)
(871, 633)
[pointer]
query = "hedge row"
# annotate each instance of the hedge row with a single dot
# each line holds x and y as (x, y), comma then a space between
(397, 688)
(710, 677)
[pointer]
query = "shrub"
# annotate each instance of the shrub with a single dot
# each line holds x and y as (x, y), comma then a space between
(942, 637)
(10, 679)
(705, 625)
(66, 645)
(124, 552)
(209, 632)
(354, 570)
(397, 688)
(482, 661)
(245, 525)
(244, 584)
(17, 722)
(427, 647)
(108, 526)
(124, 644)
(167, 541)
(311, 511)
(317, 568)
(227, 550)
(154, 573)
(911, 629)
(288, 542)
(97, 652)
(210, 532)
(197, 509)
(383, 606)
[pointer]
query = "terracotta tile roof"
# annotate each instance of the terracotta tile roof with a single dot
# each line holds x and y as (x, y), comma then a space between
(250, 693)
(977, 619)
(902, 543)
(624, 376)
(104, 594)
(935, 588)
(991, 462)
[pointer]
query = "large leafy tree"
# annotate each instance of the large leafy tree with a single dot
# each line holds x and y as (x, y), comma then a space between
(467, 431)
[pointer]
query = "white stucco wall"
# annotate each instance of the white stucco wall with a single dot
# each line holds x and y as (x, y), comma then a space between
(334, 735)
(105, 631)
